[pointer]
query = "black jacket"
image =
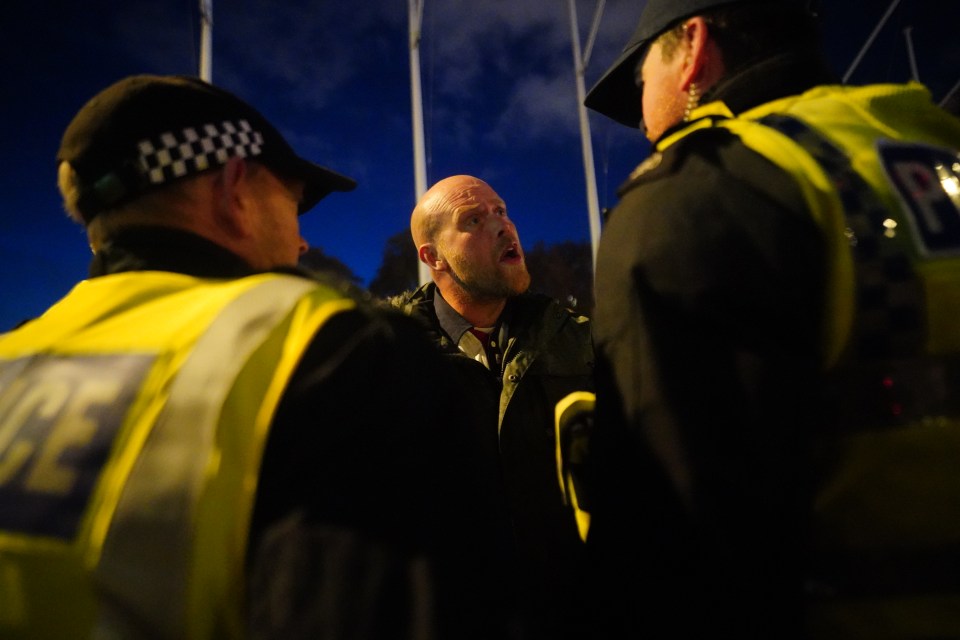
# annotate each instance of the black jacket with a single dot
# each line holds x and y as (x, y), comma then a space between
(709, 292)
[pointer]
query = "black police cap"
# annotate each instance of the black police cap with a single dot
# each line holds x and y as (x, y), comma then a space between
(146, 131)
(616, 95)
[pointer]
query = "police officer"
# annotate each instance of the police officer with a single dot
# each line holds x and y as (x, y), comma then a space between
(201, 441)
(775, 451)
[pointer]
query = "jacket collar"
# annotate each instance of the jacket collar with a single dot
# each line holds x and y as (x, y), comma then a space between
(528, 313)
(452, 323)
(777, 77)
(165, 249)
(767, 80)
(455, 325)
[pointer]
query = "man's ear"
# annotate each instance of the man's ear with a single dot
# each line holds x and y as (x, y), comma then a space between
(429, 256)
(695, 31)
(231, 206)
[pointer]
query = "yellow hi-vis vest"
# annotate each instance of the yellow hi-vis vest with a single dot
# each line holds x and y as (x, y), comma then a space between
(133, 416)
(868, 125)
(880, 171)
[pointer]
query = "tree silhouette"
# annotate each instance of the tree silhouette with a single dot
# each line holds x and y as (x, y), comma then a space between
(398, 271)
(563, 271)
(316, 260)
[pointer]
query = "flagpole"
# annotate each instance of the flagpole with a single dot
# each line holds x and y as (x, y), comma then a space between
(206, 40)
(415, 15)
(579, 66)
(914, 71)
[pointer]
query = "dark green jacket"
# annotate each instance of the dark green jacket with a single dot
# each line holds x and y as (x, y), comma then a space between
(548, 355)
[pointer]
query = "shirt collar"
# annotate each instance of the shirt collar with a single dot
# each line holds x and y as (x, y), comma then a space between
(455, 325)
(452, 323)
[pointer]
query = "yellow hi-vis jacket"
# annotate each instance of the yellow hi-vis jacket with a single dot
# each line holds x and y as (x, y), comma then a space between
(904, 150)
(133, 416)
(880, 171)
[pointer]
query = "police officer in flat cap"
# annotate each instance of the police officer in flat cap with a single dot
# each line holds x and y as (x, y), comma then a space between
(775, 452)
(201, 441)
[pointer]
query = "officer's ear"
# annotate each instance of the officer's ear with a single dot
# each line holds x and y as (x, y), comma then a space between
(229, 201)
(702, 60)
(429, 256)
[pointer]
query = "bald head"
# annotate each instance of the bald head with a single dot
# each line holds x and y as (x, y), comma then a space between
(463, 233)
(441, 200)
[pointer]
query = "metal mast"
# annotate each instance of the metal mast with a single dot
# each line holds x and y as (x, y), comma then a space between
(946, 98)
(579, 67)
(415, 14)
(866, 45)
(914, 72)
(206, 40)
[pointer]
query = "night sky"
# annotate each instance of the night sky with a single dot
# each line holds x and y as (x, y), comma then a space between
(499, 103)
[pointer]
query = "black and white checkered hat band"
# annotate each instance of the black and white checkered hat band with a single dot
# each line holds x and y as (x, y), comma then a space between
(173, 154)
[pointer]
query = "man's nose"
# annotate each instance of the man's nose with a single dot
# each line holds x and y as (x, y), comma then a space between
(506, 226)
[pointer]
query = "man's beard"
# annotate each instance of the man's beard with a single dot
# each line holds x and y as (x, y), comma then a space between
(489, 284)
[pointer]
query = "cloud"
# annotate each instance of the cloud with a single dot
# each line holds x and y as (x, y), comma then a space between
(464, 39)
(304, 50)
(496, 72)
(159, 39)
(539, 107)
(509, 65)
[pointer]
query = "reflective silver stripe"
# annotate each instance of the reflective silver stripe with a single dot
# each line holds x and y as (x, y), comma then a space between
(143, 571)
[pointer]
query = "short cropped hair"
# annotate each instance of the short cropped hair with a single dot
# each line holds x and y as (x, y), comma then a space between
(69, 184)
(164, 206)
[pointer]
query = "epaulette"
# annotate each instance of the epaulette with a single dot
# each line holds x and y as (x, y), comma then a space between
(651, 163)
(701, 140)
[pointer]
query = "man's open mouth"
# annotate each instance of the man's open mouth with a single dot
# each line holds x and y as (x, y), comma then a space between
(511, 253)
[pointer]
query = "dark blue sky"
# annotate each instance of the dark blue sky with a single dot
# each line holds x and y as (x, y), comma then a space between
(499, 102)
